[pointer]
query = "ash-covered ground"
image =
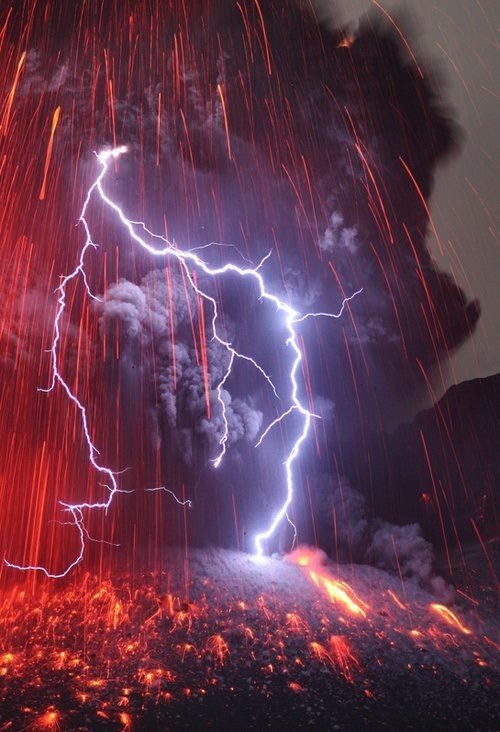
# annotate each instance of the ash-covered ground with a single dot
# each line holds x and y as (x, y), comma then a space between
(219, 640)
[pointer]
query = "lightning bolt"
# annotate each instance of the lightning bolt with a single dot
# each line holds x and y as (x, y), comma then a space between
(185, 257)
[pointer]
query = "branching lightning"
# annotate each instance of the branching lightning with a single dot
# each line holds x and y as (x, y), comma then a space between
(187, 502)
(185, 257)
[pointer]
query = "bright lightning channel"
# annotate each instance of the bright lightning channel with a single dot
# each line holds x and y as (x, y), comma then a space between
(184, 257)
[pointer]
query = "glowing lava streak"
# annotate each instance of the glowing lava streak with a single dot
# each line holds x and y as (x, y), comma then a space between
(184, 257)
(337, 591)
(449, 617)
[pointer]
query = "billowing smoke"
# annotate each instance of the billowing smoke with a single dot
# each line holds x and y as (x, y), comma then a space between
(350, 533)
(155, 320)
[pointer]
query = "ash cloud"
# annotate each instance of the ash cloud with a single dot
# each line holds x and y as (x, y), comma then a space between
(305, 157)
(361, 538)
(36, 81)
(154, 320)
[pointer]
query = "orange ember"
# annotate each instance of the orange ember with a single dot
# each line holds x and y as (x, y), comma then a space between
(449, 617)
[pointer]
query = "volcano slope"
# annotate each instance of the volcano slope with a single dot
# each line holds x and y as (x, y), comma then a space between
(218, 640)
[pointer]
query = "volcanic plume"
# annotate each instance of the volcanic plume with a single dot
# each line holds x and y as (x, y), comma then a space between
(256, 133)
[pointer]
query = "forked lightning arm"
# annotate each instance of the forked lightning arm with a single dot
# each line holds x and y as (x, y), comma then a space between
(185, 258)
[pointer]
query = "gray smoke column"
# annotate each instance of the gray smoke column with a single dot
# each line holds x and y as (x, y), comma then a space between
(154, 320)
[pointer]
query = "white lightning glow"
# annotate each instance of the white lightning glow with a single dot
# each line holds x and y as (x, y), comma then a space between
(184, 257)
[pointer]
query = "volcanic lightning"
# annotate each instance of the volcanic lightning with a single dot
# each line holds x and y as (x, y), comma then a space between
(291, 319)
